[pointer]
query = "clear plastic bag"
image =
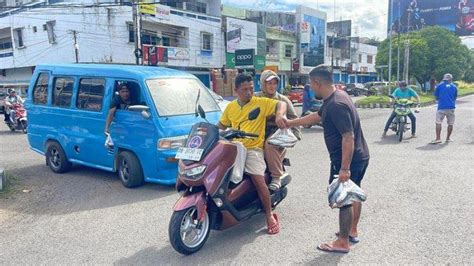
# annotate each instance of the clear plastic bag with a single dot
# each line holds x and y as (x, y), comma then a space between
(343, 194)
(283, 138)
(109, 143)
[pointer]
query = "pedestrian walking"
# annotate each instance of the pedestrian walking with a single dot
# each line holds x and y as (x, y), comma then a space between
(346, 145)
(446, 93)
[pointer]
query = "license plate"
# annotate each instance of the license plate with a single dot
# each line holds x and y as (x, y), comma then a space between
(191, 154)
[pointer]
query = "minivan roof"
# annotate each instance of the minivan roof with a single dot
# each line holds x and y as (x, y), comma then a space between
(112, 70)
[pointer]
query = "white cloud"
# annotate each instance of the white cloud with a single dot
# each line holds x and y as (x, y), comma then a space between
(369, 17)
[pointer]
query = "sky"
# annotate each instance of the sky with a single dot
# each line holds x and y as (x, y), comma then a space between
(369, 17)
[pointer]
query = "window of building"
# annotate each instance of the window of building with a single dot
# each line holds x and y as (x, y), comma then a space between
(18, 36)
(5, 43)
(198, 7)
(40, 91)
(150, 38)
(50, 29)
(90, 94)
(206, 41)
(289, 51)
(131, 33)
(62, 91)
(360, 58)
(370, 59)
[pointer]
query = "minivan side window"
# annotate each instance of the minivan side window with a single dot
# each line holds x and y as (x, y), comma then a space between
(62, 91)
(40, 91)
(90, 94)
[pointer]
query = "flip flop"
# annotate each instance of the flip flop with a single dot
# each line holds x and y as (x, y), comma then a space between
(275, 228)
(274, 185)
(436, 142)
(328, 248)
(352, 239)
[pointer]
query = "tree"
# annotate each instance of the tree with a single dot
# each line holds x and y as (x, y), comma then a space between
(434, 51)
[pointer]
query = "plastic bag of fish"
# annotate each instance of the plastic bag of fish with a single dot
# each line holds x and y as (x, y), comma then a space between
(343, 194)
(283, 138)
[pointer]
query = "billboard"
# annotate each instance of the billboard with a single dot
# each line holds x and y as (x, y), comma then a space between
(241, 34)
(340, 28)
(412, 15)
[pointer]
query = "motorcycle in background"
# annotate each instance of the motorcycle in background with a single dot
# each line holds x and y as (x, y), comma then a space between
(402, 108)
(17, 119)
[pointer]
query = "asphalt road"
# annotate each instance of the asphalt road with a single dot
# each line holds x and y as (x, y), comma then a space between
(419, 208)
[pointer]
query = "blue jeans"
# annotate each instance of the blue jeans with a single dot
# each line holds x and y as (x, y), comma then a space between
(412, 119)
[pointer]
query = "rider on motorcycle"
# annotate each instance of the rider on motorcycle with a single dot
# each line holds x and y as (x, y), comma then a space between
(10, 100)
(403, 92)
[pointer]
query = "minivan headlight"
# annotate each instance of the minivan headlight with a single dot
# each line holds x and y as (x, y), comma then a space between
(172, 142)
(194, 172)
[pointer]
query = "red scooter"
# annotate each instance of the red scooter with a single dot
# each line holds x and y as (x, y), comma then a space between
(209, 199)
(17, 119)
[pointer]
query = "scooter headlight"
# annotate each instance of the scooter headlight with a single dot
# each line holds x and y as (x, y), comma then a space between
(194, 173)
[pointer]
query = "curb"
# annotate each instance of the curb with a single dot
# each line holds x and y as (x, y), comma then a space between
(389, 106)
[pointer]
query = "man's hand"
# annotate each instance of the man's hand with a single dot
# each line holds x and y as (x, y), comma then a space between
(344, 175)
(281, 121)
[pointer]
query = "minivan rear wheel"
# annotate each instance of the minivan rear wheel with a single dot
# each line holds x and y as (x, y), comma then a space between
(129, 170)
(56, 158)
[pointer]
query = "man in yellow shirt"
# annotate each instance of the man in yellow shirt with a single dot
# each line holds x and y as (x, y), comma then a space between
(238, 111)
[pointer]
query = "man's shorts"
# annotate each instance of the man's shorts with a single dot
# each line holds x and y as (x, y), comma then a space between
(448, 113)
(255, 162)
(357, 171)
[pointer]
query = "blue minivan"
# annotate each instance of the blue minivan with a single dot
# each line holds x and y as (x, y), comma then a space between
(67, 108)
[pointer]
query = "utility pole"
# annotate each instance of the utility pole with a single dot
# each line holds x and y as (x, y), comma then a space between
(407, 50)
(137, 29)
(398, 43)
(390, 47)
(76, 46)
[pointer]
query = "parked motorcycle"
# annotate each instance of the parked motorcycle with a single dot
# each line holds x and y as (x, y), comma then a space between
(401, 107)
(209, 199)
(18, 121)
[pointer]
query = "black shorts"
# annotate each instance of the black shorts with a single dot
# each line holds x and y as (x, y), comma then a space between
(357, 171)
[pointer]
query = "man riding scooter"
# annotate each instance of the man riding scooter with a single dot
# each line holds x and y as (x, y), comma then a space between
(11, 100)
(403, 92)
(235, 113)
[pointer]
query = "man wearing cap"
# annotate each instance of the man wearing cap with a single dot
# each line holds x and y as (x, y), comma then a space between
(446, 93)
(403, 92)
(274, 155)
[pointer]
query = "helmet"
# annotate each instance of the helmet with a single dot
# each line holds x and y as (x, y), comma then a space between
(11, 90)
(402, 83)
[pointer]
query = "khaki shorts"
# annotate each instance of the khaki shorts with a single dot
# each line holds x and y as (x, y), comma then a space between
(255, 162)
(448, 113)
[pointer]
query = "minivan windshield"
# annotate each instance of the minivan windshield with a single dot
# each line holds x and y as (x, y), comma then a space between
(177, 96)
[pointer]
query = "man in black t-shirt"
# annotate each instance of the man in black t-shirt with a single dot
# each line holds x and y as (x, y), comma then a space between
(346, 145)
(122, 101)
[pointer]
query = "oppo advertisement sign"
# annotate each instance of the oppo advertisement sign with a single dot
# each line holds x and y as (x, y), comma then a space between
(244, 57)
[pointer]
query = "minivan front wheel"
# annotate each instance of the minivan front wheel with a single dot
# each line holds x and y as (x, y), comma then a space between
(56, 158)
(129, 170)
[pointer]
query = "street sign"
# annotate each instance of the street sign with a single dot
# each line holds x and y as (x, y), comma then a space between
(244, 57)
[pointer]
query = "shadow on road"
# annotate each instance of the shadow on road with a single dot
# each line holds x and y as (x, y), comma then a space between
(326, 259)
(228, 243)
(80, 189)
(432, 147)
(391, 140)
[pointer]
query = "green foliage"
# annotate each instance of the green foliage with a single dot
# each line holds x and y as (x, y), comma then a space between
(374, 99)
(287, 90)
(434, 51)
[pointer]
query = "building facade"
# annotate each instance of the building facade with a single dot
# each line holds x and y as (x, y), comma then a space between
(186, 37)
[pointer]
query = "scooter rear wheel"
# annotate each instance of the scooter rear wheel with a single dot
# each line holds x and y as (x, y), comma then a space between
(186, 234)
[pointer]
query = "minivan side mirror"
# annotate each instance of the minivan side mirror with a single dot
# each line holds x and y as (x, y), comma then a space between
(145, 110)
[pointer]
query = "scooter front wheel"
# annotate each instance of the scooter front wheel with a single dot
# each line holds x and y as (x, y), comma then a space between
(24, 126)
(187, 234)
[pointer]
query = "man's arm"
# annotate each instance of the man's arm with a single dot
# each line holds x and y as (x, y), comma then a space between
(280, 113)
(221, 126)
(347, 152)
(310, 119)
(110, 116)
